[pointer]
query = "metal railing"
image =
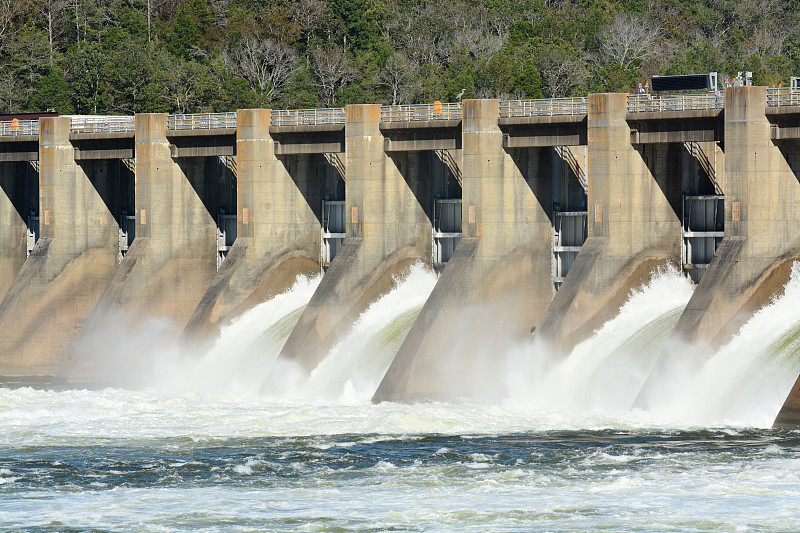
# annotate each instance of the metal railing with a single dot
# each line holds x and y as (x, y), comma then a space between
(102, 124)
(201, 121)
(643, 103)
(780, 96)
(546, 107)
(336, 162)
(411, 113)
(565, 152)
(308, 117)
(697, 152)
(451, 164)
(19, 127)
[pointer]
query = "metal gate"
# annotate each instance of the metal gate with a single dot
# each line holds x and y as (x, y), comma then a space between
(226, 235)
(446, 231)
(32, 232)
(333, 230)
(702, 230)
(569, 234)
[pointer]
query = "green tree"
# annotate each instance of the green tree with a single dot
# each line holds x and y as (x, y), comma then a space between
(52, 92)
(87, 66)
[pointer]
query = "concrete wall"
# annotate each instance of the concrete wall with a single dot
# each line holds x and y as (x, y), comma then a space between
(634, 223)
(497, 285)
(19, 193)
(388, 229)
(58, 286)
(762, 223)
(278, 226)
(173, 258)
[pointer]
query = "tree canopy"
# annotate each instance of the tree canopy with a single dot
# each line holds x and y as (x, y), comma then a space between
(133, 56)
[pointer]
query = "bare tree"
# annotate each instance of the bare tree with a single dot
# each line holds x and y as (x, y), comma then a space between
(629, 38)
(332, 68)
(766, 42)
(11, 92)
(9, 9)
(562, 75)
(51, 11)
(480, 44)
(308, 14)
(399, 75)
(265, 65)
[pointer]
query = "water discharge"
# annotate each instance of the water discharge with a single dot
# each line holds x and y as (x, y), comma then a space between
(746, 381)
(604, 373)
(743, 383)
(355, 367)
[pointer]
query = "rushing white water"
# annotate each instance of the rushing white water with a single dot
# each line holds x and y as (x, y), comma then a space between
(246, 349)
(746, 381)
(604, 373)
(354, 368)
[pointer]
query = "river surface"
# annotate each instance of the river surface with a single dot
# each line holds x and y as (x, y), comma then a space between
(115, 460)
(228, 440)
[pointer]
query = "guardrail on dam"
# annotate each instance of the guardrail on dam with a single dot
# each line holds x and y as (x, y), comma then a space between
(541, 215)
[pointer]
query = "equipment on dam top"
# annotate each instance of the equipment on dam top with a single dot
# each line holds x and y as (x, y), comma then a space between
(685, 82)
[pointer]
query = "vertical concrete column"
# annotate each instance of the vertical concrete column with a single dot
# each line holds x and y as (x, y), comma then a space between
(173, 259)
(278, 232)
(19, 193)
(633, 226)
(167, 268)
(387, 230)
(497, 285)
(61, 281)
(762, 224)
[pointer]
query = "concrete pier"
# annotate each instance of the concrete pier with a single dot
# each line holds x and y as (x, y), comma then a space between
(633, 223)
(172, 261)
(59, 284)
(388, 229)
(279, 201)
(762, 223)
(497, 285)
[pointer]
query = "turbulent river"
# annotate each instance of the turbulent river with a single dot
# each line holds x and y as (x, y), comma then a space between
(216, 443)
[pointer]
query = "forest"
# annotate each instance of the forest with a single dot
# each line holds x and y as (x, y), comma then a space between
(190, 56)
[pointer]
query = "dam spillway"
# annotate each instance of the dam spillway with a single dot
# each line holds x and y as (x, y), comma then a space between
(357, 191)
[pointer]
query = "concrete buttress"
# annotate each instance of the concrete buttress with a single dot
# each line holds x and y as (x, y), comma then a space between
(73, 261)
(169, 265)
(497, 285)
(387, 228)
(634, 224)
(762, 224)
(278, 227)
(762, 239)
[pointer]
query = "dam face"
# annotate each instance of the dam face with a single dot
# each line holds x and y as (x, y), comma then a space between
(539, 217)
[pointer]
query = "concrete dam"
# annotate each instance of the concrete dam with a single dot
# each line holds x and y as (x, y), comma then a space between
(538, 216)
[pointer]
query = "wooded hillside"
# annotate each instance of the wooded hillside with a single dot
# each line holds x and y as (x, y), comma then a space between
(183, 56)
